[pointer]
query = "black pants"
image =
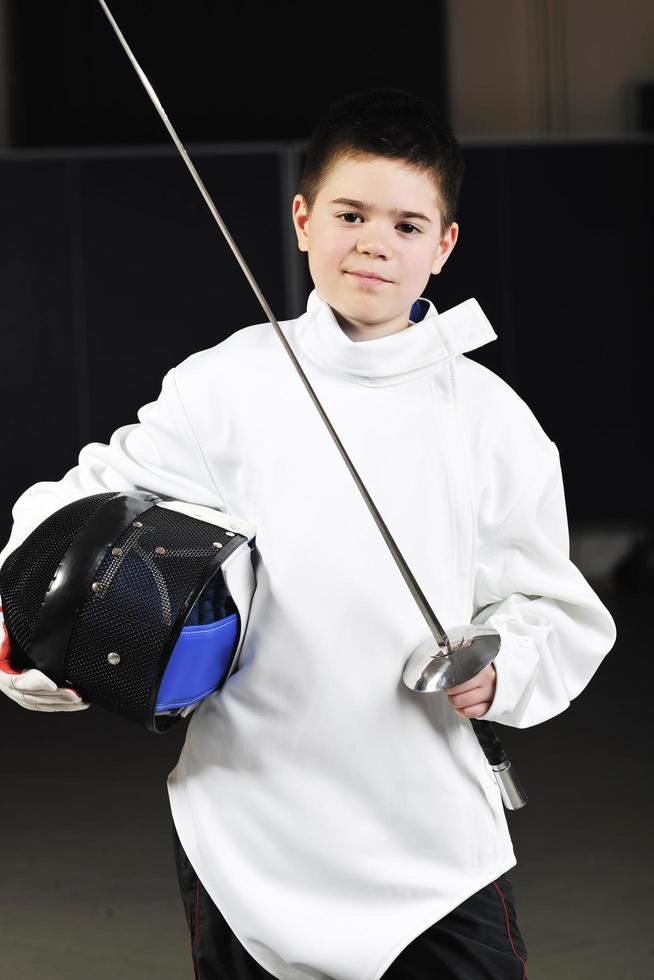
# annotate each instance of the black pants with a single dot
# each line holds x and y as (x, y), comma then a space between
(478, 940)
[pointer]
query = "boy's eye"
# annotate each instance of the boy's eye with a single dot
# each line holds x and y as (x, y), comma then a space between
(355, 214)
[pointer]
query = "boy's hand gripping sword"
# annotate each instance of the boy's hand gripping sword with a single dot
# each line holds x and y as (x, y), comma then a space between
(441, 661)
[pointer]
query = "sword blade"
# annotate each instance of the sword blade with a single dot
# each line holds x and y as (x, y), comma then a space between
(513, 794)
(432, 622)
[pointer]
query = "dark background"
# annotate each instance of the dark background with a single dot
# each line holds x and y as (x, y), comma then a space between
(112, 270)
(223, 72)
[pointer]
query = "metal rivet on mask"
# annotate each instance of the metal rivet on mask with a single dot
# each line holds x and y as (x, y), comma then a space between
(217, 544)
(114, 658)
(160, 551)
(96, 586)
(136, 524)
(230, 534)
(116, 551)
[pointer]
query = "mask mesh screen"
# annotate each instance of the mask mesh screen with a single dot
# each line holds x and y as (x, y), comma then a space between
(140, 608)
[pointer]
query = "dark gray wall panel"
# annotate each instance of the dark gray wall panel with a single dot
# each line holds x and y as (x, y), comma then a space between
(161, 280)
(38, 345)
(113, 271)
(581, 279)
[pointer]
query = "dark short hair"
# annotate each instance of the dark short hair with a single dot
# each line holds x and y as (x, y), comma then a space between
(386, 122)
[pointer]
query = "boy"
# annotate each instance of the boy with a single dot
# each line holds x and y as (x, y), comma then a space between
(346, 827)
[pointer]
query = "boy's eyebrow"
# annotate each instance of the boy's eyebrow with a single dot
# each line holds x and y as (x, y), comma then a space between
(365, 206)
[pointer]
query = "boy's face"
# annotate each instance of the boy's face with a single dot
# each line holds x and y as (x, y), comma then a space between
(343, 239)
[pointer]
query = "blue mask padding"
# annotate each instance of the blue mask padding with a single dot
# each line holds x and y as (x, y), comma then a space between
(198, 662)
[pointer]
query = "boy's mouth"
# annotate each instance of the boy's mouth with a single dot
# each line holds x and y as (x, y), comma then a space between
(365, 277)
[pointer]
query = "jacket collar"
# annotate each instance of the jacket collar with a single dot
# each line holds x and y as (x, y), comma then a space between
(430, 339)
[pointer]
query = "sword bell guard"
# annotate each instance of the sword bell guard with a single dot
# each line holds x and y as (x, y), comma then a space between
(431, 668)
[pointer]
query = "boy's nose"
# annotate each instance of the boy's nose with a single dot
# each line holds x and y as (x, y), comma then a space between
(373, 245)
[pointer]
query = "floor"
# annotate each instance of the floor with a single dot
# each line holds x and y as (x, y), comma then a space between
(89, 890)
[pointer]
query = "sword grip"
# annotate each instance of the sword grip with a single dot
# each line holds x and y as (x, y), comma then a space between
(513, 794)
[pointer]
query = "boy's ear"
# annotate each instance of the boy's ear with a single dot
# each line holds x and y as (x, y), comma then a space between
(445, 246)
(300, 217)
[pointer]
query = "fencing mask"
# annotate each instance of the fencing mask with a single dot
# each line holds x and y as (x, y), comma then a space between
(139, 603)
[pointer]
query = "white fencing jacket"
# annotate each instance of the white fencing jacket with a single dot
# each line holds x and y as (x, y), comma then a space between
(331, 813)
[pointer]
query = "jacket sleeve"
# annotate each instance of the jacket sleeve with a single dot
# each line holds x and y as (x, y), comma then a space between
(554, 630)
(159, 453)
